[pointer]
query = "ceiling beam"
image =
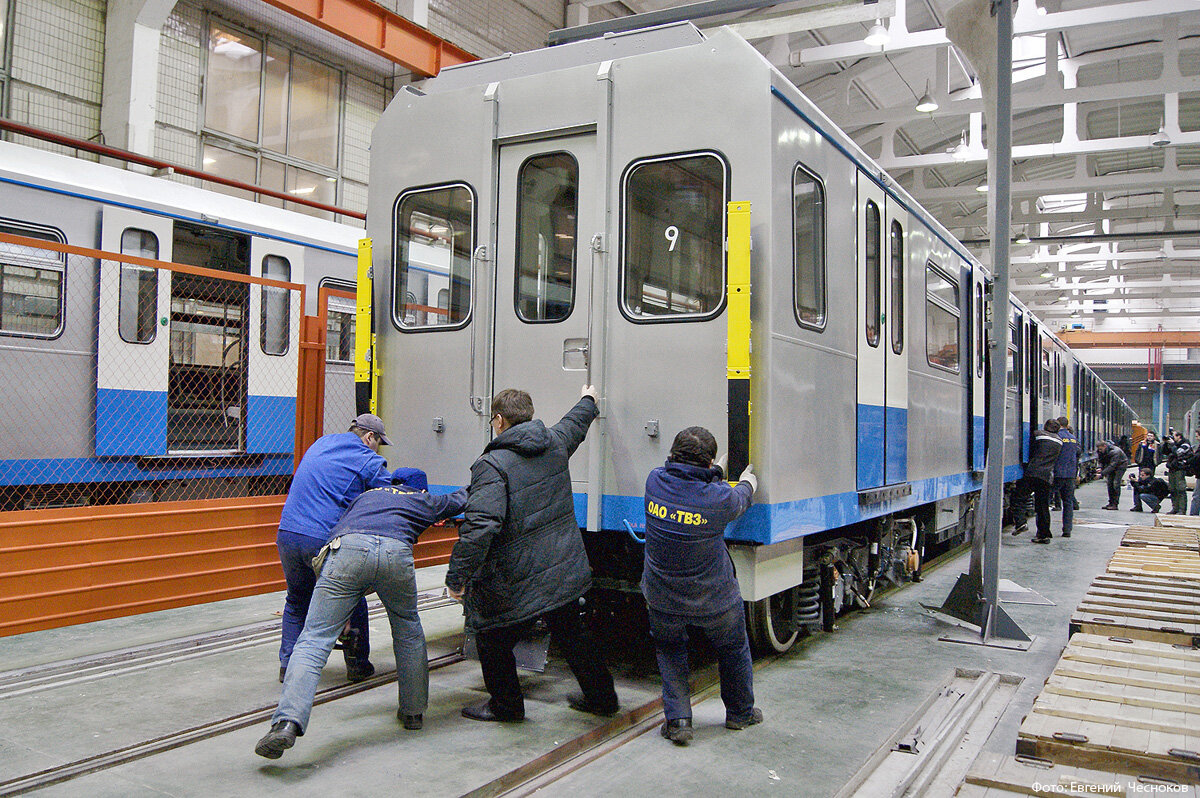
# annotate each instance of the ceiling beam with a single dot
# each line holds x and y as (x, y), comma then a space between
(1174, 339)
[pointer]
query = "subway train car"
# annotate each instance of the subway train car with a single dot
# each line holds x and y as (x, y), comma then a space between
(128, 383)
(549, 218)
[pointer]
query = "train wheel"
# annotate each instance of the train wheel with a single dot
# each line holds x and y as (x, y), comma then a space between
(772, 622)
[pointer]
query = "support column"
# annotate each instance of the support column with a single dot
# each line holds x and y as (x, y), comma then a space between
(1159, 410)
(414, 11)
(131, 48)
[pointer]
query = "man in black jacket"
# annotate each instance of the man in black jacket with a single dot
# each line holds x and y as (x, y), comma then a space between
(1179, 453)
(1113, 463)
(520, 555)
(1039, 477)
(1149, 490)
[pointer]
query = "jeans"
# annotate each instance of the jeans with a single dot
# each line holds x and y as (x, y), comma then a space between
(362, 563)
(570, 634)
(727, 633)
(1064, 488)
(1149, 499)
(296, 553)
(1178, 484)
(1114, 487)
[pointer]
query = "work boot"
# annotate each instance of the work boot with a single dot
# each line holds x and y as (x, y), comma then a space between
(281, 737)
(579, 703)
(678, 731)
(411, 722)
(737, 724)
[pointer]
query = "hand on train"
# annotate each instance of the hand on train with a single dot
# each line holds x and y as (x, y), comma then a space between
(749, 478)
(722, 462)
(590, 390)
(455, 594)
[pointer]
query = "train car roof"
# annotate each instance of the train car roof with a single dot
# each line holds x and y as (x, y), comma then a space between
(64, 174)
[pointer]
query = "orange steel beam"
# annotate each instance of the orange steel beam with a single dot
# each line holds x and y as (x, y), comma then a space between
(383, 32)
(1141, 339)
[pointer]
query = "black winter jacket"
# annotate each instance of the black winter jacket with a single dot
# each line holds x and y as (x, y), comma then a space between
(519, 551)
(1178, 456)
(1112, 459)
(1043, 455)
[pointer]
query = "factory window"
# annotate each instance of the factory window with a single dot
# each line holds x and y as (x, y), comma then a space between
(137, 304)
(941, 318)
(275, 321)
(871, 257)
(434, 235)
(271, 118)
(547, 187)
(673, 238)
(808, 230)
(31, 285)
(896, 312)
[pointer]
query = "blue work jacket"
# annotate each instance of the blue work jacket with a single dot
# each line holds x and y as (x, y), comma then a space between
(334, 471)
(398, 512)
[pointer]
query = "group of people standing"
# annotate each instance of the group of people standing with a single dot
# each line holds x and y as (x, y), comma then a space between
(1182, 460)
(349, 525)
(1052, 470)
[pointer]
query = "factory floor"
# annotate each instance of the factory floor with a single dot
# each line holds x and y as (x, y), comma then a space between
(828, 704)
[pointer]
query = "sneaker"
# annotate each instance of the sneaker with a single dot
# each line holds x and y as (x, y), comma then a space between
(280, 738)
(678, 731)
(411, 722)
(1019, 528)
(579, 703)
(355, 673)
(739, 724)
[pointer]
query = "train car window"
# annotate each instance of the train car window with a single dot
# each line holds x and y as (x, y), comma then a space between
(434, 232)
(547, 188)
(941, 319)
(275, 320)
(979, 332)
(808, 238)
(872, 245)
(1013, 361)
(1046, 375)
(31, 285)
(896, 306)
(673, 245)
(340, 318)
(137, 302)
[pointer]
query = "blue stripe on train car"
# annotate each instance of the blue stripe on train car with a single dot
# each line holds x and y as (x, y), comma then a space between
(1024, 441)
(70, 470)
(130, 422)
(270, 424)
(869, 451)
(896, 465)
(978, 441)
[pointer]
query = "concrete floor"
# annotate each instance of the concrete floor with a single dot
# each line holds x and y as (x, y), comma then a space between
(828, 704)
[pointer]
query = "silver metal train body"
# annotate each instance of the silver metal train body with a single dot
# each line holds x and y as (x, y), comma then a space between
(559, 216)
(96, 414)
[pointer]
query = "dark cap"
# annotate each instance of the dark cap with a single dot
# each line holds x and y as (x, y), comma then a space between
(371, 423)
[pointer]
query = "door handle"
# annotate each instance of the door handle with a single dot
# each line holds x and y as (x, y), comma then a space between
(576, 354)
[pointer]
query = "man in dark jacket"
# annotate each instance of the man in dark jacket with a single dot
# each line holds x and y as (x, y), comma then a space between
(1179, 454)
(1149, 490)
(520, 555)
(1113, 463)
(370, 550)
(1066, 472)
(688, 579)
(1039, 477)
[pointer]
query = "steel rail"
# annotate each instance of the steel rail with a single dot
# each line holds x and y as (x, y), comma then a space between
(168, 742)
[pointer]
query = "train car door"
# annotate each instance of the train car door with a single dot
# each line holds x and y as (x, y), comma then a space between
(133, 343)
(547, 212)
(896, 356)
(273, 348)
(871, 337)
(978, 380)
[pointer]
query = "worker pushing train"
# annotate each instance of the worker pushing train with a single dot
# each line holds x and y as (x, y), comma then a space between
(688, 579)
(370, 550)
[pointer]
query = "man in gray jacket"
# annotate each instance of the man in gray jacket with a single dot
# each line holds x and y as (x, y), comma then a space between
(520, 555)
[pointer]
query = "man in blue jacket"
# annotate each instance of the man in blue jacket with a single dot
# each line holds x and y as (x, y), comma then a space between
(688, 579)
(333, 472)
(1066, 473)
(370, 550)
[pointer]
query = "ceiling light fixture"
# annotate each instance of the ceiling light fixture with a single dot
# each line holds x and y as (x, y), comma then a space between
(1023, 238)
(877, 36)
(982, 188)
(927, 104)
(961, 151)
(1160, 139)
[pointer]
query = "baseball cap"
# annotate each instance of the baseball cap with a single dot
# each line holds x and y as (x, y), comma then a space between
(371, 423)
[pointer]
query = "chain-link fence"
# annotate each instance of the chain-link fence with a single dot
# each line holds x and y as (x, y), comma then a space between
(131, 380)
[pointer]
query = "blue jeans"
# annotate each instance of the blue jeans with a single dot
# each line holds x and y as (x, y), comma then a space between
(361, 564)
(296, 553)
(1195, 508)
(727, 633)
(1064, 487)
(1149, 499)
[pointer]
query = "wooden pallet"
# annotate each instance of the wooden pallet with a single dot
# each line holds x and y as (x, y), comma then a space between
(1157, 560)
(1185, 521)
(1142, 608)
(1162, 537)
(999, 776)
(1120, 705)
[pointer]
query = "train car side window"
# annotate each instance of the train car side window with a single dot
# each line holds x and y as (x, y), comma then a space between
(137, 303)
(979, 331)
(31, 285)
(673, 238)
(1047, 377)
(340, 318)
(896, 306)
(547, 203)
(275, 320)
(808, 238)
(941, 319)
(872, 243)
(434, 236)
